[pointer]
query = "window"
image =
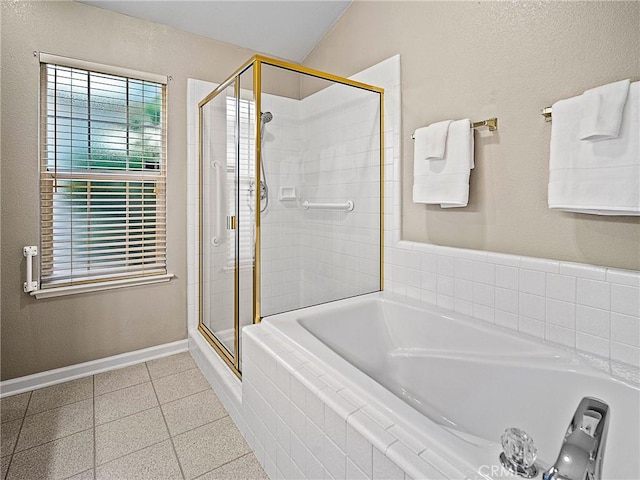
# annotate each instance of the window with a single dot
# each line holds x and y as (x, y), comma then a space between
(102, 175)
(246, 176)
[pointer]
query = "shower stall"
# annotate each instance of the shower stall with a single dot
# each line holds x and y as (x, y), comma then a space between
(291, 194)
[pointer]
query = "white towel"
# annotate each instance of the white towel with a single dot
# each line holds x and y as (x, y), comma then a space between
(430, 141)
(446, 181)
(602, 111)
(601, 178)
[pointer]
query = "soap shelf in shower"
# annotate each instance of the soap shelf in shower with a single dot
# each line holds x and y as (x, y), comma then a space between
(287, 194)
(347, 206)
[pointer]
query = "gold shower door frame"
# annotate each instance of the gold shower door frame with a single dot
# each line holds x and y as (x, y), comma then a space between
(233, 361)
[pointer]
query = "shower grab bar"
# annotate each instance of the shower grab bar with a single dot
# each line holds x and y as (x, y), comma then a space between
(29, 252)
(492, 123)
(348, 206)
(220, 204)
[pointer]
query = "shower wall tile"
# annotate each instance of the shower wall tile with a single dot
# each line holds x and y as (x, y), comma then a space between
(593, 293)
(625, 299)
(507, 277)
(582, 307)
(625, 329)
(561, 287)
(339, 250)
(593, 321)
(532, 281)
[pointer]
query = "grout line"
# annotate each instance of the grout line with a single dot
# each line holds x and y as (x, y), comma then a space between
(8, 465)
(150, 379)
(173, 373)
(58, 406)
(79, 473)
(123, 388)
(13, 451)
(54, 440)
(160, 406)
(193, 395)
(127, 416)
(95, 469)
(227, 463)
(203, 425)
(166, 425)
(134, 451)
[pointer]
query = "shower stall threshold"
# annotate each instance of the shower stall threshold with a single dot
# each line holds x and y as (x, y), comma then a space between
(226, 385)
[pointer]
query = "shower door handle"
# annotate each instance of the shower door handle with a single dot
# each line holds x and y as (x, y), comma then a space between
(231, 222)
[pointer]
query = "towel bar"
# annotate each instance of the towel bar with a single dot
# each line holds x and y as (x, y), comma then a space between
(492, 123)
(546, 113)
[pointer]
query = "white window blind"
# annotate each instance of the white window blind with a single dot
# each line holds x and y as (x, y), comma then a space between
(245, 175)
(102, 176)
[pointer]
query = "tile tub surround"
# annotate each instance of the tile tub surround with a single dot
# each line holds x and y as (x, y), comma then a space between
(303, 422)
(591, 310)
(158, 419)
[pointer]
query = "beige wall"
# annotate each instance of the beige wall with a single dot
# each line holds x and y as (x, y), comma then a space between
(39, 335)
(504, 59)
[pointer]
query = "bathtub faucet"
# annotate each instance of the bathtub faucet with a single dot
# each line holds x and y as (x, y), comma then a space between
(582, 450)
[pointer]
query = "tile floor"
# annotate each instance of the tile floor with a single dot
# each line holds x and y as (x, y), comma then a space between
(155, 420)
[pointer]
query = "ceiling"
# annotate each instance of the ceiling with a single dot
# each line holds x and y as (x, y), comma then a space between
(285, 29)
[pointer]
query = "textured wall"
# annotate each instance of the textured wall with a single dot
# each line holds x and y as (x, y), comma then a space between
(504, 59)
(38, 335)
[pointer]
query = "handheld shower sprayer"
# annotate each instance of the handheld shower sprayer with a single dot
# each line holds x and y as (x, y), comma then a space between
(265, 117)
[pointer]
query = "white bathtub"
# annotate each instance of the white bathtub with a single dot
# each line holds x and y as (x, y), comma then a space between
(456, 383)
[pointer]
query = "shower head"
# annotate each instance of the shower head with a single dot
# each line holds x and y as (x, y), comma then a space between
(266, 117)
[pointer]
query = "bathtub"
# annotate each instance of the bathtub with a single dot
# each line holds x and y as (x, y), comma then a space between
(453, 384)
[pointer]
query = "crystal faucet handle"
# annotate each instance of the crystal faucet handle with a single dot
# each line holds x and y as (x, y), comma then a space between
(519, 452)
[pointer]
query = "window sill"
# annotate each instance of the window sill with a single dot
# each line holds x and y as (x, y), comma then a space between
(97, 287)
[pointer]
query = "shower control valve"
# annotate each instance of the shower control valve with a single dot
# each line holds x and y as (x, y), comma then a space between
(519, 453)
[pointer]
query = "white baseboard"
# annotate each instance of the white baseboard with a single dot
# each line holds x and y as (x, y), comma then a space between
(72, 372)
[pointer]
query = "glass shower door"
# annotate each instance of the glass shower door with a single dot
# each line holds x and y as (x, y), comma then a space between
(219, 175)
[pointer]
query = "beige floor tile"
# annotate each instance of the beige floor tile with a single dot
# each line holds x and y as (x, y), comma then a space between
(129, 434)
(170, 365)
(56, 423)
(5, 466)
(244, 468)
(180, 385)
(10, 431)
(127, 401)
(157, 462)
(86, 475)
(59, 395)
(12, 408)
(209, 447)
(193, 411)
(54, 460)
(124, 377)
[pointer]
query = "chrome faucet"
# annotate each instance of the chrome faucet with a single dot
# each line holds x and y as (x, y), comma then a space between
(582, 450)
